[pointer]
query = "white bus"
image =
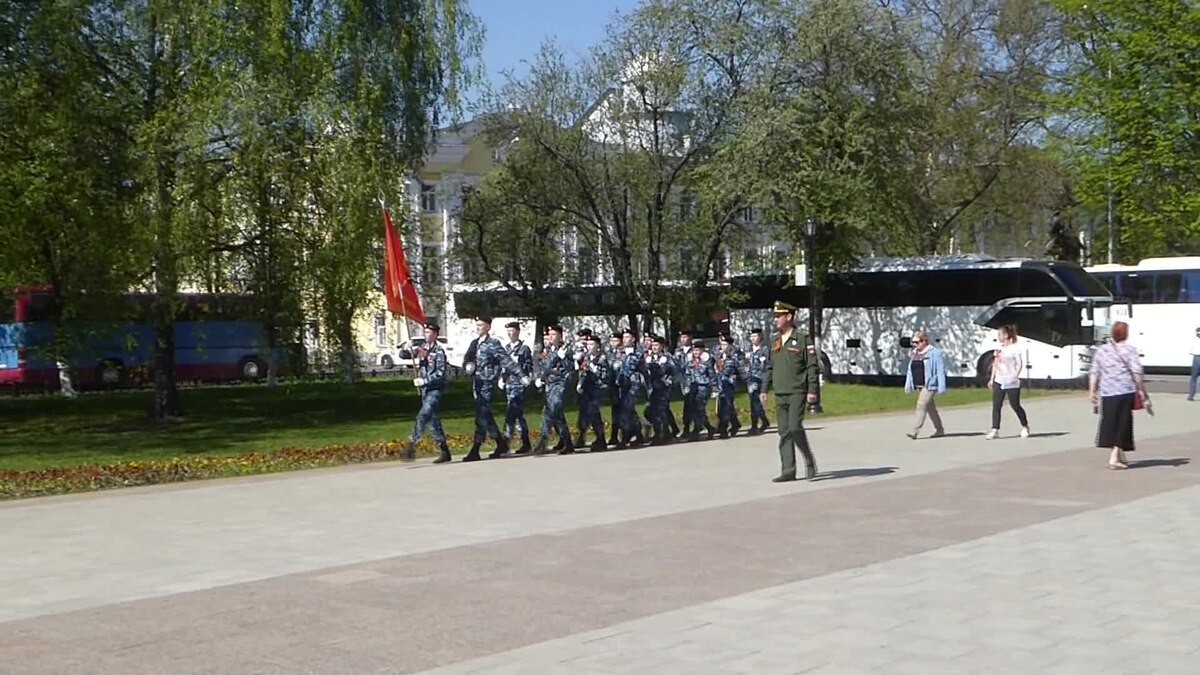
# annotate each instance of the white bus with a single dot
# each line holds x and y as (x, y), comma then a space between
(1060, 312)
(1162, 310)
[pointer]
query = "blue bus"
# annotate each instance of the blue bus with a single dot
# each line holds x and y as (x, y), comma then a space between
(215, 341)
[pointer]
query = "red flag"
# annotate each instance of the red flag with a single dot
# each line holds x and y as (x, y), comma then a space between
(397, 281)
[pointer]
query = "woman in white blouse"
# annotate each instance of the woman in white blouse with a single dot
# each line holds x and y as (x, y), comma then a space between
(1005, 381)
(1113, 385)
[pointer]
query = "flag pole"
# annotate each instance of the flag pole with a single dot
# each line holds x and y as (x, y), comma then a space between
(405, 336)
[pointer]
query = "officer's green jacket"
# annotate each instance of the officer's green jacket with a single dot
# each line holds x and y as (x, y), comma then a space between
(789, 368)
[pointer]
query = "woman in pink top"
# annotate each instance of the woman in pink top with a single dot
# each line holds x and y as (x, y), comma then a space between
(1115, 380)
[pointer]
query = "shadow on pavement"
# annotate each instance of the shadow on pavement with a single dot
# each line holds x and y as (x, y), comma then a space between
(1147, 463)
(856, 473)
(1050, 434)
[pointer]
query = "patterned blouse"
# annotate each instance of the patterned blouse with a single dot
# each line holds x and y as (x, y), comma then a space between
(1114, 364)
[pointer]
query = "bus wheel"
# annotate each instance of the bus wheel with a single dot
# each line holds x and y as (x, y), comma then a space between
(110, 373)
(386, 362)
(983, 370)
(252, 369)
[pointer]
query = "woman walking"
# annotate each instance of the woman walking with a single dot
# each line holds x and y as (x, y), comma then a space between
(1114, 384)
(1005, 380)
(927, 375)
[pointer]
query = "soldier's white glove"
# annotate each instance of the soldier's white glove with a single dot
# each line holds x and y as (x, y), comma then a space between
(525, 380)
(500, 383)
(629, 350)
(752, 388)
(418, 382)
(704, 357)
(539, 383)
(579, 387)
(470, 368)
(712, 394)
(562, 352)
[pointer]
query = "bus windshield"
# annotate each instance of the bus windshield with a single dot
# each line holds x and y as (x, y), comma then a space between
(1078, 282)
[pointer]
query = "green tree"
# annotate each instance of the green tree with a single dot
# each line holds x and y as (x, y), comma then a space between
(1132, 94)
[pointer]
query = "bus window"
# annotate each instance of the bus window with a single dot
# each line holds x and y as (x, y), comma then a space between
(1080, 283)
(1168, 287)
(1138, 287)
(1038, 282)
(1191, 287)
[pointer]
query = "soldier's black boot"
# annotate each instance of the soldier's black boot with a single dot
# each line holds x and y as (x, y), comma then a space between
(408, 454)
(598, 445)
(501, 449)
(735, 427)
(473, 455)
(540, 448)
(580, 441)
(444, 454)
(712, 431)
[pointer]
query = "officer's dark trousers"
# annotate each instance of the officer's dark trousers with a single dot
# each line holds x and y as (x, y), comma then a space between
(757, 412)
(627, 417)
(614, 412)
(554, 415)
(428, 416)
(485, 419)
(657, 411)
(789, 414)
(688, 422)
(727, 419)
(514, 414)
(589, 414)
(697, 403)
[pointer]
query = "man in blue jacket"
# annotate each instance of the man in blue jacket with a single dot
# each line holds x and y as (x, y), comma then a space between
(927, 375)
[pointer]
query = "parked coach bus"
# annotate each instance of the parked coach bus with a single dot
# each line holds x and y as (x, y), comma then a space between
(1060, 312)
(1162, 310)
(214, 341)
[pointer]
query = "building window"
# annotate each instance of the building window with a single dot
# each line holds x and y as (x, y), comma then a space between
(431, 266)
(381, 332)
(429, 198)
(720, 266)
(586, 265)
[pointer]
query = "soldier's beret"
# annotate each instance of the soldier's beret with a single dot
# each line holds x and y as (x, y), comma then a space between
(685, 332)
(697, 345)
(584, 332)
(723, 337)
(513, 324)
(484, 318)
(617, 335)
(557, 328)
(629, 331)
(660, 340)
(432, 326)
(756, 331)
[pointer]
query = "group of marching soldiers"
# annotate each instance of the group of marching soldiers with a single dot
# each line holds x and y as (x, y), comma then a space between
(628, 372)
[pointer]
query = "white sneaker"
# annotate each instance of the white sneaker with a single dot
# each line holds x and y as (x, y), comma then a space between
(992, 435)
(1024, 432)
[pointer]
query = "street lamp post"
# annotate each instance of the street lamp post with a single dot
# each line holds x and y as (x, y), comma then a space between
(810, 233)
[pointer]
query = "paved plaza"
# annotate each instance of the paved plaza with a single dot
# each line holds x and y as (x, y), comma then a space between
(954, 555)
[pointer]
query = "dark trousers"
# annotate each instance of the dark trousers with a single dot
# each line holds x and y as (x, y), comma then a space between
(627, 418)
(1014, 400)
(514, 415)
(589, 414)
(485, 419)
(657, 411)
(431, 400)
(789, 416)
(696, 405)
(554, 415)
(727, 418)
(757, 411)
(614, 412)
(1195, 376)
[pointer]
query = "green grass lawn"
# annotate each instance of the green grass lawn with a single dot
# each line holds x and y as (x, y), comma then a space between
(41, 432)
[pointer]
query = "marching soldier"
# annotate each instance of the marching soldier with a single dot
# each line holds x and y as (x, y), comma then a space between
(578, 355)
(699, 378)
(756, 360)
(431, 382)
(554, 371)
(794, 374)
(628, 383)
(514, 412)
(683, 352)
(490, 359)
(593, 380)
(614, 392)
(730, 368)
(659, 368)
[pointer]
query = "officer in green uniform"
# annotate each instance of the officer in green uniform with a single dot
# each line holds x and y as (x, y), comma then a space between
(793, 373)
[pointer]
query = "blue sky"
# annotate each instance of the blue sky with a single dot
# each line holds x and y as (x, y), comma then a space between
(516, 28)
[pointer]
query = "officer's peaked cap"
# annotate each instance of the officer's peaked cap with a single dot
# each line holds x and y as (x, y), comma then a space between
(432, 326)
(782, 307)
